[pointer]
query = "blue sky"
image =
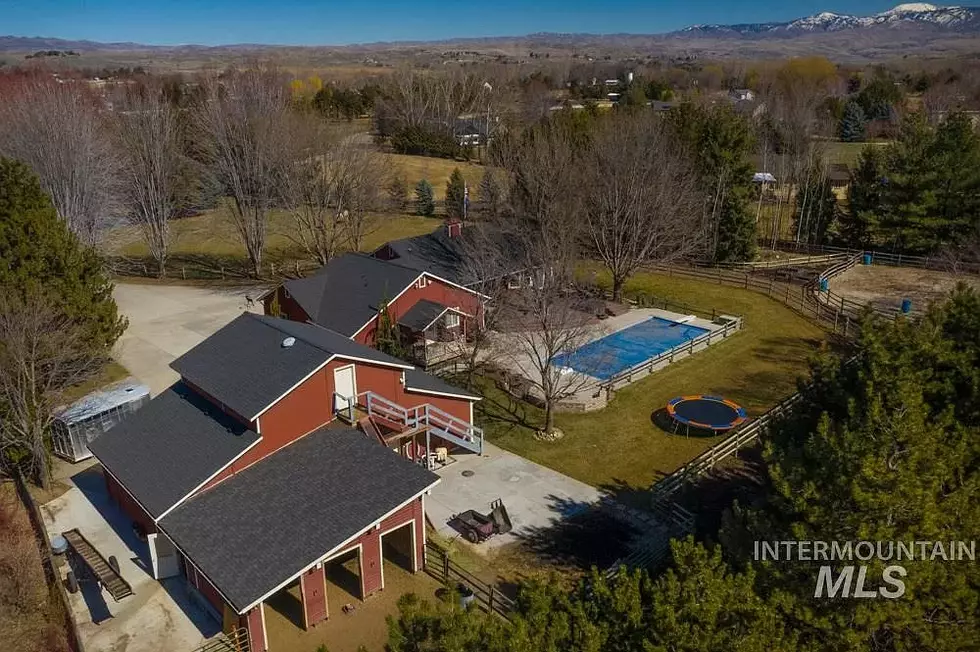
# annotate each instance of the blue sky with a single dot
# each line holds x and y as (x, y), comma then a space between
(323, 22)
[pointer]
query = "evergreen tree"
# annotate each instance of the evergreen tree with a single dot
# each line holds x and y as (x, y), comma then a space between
(491, 194)
(425, 203)
(41, 256)
(723, 145)
(859, 223)
(387, 338)
(882, 448)
(455, 195)
(853, 124)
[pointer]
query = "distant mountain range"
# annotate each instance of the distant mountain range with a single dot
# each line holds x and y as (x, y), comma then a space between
(919, 28)
(904, 16)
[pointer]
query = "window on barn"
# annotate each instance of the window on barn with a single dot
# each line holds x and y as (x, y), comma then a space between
(452, 320)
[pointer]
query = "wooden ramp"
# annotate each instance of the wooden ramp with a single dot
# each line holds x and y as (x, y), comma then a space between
(108, 576)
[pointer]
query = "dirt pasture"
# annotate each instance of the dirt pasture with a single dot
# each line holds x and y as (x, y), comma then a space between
(885, 287)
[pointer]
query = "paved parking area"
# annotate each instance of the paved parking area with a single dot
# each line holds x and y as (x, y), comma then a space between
(158, 616)
(535, 496)
(165, 321)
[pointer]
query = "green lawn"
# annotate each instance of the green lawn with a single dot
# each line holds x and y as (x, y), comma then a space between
(436, 171)
(619, 447)
(212, 233)
(848, 153)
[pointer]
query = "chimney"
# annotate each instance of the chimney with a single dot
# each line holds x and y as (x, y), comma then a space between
(454, 228)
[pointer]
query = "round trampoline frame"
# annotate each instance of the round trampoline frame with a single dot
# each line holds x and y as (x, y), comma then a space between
(689, 423)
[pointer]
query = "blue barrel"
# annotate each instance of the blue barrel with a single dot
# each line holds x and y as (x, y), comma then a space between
(824, 285)
(867, 259)
(906, 306)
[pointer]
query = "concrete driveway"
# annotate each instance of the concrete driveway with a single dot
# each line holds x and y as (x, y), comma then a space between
(536, 497)
(158, 616)
(165, 321)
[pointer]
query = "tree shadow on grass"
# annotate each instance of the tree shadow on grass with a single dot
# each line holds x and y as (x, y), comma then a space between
(581, 535)
(502, 408)
(744, 479)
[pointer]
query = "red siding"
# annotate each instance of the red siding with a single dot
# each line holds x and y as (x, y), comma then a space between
(458, 407)
(288, 308)
(310, 406)
(128, 505)
(253, 622)
(314, 596)
(207, 589)
(371, 578)
(435, 290)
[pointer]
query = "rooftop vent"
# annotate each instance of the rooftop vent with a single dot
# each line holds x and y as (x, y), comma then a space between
(288, 342)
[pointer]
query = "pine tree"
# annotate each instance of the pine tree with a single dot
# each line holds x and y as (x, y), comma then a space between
(882, 448)
(723, 145)
(387, 338)
(859, 223)
(40, 255)
(853, 124)
(425, 203)
(491, 194)
(456, 195)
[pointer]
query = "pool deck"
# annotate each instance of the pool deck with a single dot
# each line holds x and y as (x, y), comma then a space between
(584, 397)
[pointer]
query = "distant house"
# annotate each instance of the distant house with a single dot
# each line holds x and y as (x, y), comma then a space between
(470, 132)
(659, 106)
(612, 82)
(839, 176)
(742, 94)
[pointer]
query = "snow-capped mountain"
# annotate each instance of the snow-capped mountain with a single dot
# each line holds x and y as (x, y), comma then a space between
(904, 15)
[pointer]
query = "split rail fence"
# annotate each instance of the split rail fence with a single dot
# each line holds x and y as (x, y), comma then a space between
(440, 566)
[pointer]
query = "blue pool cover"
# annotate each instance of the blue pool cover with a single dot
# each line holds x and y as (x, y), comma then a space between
(617, 352)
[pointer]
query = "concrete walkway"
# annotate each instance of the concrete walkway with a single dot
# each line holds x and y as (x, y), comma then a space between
(535, 496)
(165, 321)
(158, 616)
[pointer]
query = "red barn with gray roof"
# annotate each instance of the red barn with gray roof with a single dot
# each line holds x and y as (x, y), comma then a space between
(244, 478)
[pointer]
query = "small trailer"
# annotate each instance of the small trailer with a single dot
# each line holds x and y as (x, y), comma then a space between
(477, 527)
(79, 423)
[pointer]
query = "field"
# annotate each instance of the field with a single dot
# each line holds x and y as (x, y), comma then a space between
(848, 153)
(212, 234)
(619, 448)
(436, 171)
(884, 287)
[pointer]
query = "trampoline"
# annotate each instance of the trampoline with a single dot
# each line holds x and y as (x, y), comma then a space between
(701, 412)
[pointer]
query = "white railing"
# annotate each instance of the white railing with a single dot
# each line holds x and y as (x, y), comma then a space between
(427, 416)
(669, 355)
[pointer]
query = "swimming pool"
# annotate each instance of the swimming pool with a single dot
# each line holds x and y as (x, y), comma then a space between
(617, 352)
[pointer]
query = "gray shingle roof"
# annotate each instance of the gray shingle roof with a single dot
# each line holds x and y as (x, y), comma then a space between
(419, 381)
(246, 367)
(264, 525)
(446, 257)
(347, 292)
(421, 315)
(170, 446)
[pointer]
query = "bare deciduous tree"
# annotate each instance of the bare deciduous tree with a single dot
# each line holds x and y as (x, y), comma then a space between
(155, 185)
(643, 203)
(332, 188)
(43, 355)
(59, 130)
(550, 315)
(245, 133)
